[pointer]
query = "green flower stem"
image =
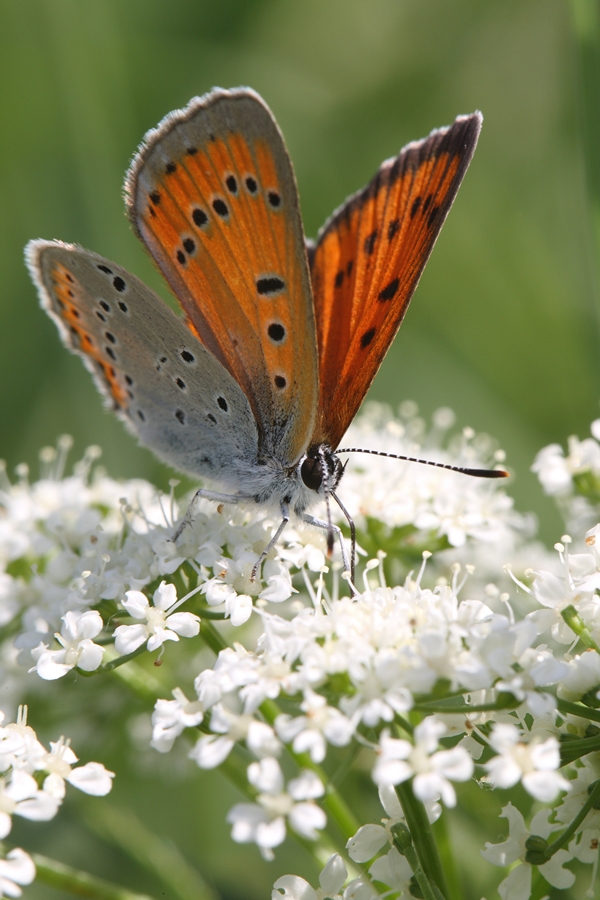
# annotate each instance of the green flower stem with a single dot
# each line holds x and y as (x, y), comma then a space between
(115, 662)
(212, 637)
(422, 836)
(205, 612)
(82, 884)
(578, 709)
(576, 624)
(404, 845)
(333, 802)
(444, 847)
(503, 701)
(141, 682)
(158, 855)
(572, 828)
(572, 750)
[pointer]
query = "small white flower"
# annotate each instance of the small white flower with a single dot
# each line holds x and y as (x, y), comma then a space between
(517, 885)
(431, 770)
(17, 868)
(78, 647)
(171, 717)
(159, 626)
(320, 724)
(393, 870)
(212, 749)
(264, 822)
(331, 881)
(553, 470)
(534, 764)
(92, 778)
(20, 796)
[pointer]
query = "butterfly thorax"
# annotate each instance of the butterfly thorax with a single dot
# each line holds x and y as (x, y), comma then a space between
(298, 487)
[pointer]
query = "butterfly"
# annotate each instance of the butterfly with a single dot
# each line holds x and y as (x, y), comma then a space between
(255, 384)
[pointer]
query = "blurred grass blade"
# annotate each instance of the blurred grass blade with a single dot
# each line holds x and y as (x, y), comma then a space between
(81, 884)
(155, 854)
(586, 24)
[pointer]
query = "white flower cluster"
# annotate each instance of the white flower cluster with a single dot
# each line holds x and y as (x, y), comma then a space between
(24, 762)
(33, 786)
(439, 678)
(573, 479)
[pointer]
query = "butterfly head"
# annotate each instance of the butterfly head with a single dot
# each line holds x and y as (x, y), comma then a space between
(321, 470)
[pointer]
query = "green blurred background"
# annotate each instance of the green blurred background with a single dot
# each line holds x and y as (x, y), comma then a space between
(503, 328)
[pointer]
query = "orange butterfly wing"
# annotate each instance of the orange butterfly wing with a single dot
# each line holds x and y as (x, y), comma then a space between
(368, 260)
(212, 194)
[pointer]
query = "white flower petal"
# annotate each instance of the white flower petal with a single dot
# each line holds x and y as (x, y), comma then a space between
(92, 779)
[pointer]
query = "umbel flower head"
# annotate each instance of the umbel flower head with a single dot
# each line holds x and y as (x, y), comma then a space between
(463, 650)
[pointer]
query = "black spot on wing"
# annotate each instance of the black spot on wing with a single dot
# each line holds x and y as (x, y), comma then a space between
(416, 205)
(276, 332)
(270, 285)
(389, 291)
(367, 337)
(369, 244)
(199, 216)
(220, 207)
(432, 216)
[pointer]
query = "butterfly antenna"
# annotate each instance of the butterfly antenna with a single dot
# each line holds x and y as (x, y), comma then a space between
(476, 473)
(330, 531)
(350, 521)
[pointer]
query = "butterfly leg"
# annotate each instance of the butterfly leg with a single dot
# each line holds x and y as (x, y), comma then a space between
(285, 518)
(319, 523)
(204, 495)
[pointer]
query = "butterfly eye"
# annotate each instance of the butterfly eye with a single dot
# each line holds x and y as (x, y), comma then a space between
(311, 473)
